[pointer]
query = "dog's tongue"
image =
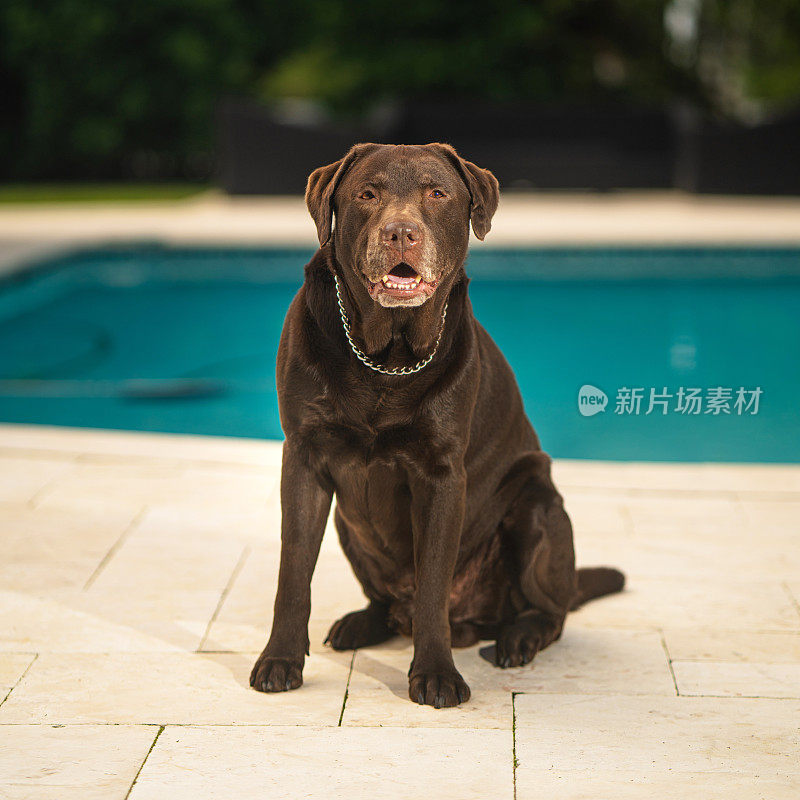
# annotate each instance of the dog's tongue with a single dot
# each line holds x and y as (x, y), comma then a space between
(403, 274)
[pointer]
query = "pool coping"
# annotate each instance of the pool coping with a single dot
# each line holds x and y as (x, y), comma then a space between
(631, 477)
(657, 219)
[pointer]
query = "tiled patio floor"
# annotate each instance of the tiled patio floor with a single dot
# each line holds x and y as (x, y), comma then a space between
(136, 585)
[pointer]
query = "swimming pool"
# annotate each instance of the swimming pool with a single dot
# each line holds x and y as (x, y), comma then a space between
(184, 340)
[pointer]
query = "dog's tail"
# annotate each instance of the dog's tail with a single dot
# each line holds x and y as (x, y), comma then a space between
(596, 582)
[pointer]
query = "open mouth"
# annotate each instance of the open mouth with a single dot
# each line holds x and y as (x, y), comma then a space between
(403, 283)
(402, 277)
(402, 286)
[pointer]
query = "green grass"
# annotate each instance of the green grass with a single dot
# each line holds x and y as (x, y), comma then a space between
(97, 192)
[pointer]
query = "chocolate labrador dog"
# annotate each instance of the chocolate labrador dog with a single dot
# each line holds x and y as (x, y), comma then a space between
(395, 399)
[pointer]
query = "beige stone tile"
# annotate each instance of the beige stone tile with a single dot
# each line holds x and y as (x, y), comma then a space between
(257, 523)
(690, 554)
(285, 763)
(177, 562)
(670, 603)
(793, 593)
(171, 688)
(732, 645)
(598, 516)
(770, 517)
(77, 762)
(597, 661)
(677, 478)
(38, 439)
(646, 735)
(582, 661)
(378, 692)
(134, 485)
(684, 515)
(330, 541)
(737, 679)
(22, 477)
(149, 619)
(666, 784)
(755, 478)
(12, 667)
(112, 484)
(245, 617)
(692, 537)
(48, 551)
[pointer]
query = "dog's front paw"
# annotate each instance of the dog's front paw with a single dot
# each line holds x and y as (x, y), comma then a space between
(440, 689)
(276, 674)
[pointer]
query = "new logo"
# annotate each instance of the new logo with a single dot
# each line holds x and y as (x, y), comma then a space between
(591, 400)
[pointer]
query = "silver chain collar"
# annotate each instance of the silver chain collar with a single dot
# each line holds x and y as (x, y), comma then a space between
(371, 364)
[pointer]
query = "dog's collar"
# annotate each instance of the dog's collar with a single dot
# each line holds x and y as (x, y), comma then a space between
(367, 362)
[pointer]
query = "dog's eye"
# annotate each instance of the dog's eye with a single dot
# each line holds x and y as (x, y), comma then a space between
(437, 193)
(367, 195)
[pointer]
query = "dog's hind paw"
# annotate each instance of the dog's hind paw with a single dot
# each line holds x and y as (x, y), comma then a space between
(360, 629)
(519, 641)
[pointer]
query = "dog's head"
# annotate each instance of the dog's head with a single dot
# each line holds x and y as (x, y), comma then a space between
(402, 216)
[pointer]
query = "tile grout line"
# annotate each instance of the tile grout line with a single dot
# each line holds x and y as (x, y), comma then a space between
(141, 766)
(514, 762)
(114, 548)
(33, 502)
(792, 599)
(669, 662)
(245, 554)
(627, 520)
(19, 680)
(347, 688)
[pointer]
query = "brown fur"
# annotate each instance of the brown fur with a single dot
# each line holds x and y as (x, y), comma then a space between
(445, 506)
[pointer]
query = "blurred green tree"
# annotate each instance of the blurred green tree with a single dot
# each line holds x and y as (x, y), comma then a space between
(501, 50)
(98, 88)
(744, 54)
(102, 88)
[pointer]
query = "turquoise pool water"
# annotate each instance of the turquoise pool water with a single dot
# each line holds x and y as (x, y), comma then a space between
(182, 340)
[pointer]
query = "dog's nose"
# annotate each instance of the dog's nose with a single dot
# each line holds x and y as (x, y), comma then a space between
(401, 234)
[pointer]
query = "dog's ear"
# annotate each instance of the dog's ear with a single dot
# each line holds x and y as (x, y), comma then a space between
(322, 183)
(484, 191)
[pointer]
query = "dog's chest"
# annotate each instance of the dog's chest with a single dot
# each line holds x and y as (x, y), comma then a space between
(365, 427)
(368, 443)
